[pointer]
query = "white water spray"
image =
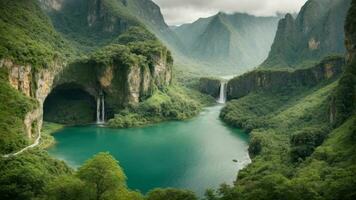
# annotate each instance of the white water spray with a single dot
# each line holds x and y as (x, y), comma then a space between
(100, 109)
(222, 96)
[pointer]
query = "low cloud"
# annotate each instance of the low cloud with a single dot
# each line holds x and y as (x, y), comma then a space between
(184, 11)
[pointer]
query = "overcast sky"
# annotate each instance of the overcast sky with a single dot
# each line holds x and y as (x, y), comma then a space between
(177, 12)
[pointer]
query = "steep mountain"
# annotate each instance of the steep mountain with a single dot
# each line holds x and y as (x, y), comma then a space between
(150, 14)
(91, 23)
(316, 32)
(231, 42)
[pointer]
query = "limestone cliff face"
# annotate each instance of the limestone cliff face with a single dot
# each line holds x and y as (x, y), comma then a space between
(273, 79)
(209, 86)
(32, 84)
(121, 84)
(51, 4)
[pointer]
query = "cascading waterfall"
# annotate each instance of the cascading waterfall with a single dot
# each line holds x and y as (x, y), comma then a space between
(222, 96)
(100, 109)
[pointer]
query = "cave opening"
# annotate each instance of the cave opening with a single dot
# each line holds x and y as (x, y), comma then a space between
(70, 104)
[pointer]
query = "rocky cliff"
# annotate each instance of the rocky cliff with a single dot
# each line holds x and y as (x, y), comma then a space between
(316, 32)
(124, 78)
(279, 79)
(33, 84)
(210, 86)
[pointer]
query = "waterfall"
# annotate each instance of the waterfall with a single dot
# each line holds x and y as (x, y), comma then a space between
(222, 96)
(100, 109)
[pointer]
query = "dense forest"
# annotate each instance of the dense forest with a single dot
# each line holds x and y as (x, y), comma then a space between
(118, 64)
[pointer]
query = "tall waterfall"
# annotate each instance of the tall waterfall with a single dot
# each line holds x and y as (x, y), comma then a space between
(222, 96)
(100, 109)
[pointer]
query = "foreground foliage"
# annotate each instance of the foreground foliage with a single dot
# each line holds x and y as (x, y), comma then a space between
(34, 175)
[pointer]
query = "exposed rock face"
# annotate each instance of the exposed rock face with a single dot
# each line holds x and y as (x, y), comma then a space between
(210, 86)
(33, 123)
(315, 33)
(51, 4)
(273, 79)
(33, 85)
(20, 76)
(121, 84)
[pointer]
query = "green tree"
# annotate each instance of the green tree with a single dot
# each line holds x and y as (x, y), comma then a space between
(170, 194)
(103, 176)
(305, 141)
(66, 188)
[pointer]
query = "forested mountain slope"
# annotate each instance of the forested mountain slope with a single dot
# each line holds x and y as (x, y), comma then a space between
(91, 23)
(302, 136)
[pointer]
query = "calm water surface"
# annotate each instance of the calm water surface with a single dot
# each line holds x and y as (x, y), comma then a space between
(196, 154)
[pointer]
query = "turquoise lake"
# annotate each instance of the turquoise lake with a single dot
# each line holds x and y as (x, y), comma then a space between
(195, 154)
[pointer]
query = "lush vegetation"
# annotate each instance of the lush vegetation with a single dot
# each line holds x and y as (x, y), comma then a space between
(173, 103)
(296, 152)
(171, 194)
(25, 176)
(48, 128)
(27, 35)
(34, 175)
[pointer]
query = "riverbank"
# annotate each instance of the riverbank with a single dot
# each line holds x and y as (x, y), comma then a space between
(197, 154)
(47, 139)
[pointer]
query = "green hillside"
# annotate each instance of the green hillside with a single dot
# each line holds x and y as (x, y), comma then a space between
(63, 60)
(27, 35)
(295, 151)
(302, 138)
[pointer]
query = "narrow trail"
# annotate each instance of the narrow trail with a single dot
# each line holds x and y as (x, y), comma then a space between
(36, 143)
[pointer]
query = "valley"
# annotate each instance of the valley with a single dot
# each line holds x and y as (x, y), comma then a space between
(102, 99)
